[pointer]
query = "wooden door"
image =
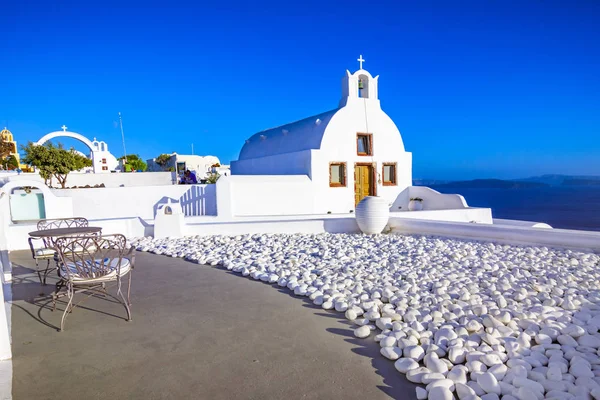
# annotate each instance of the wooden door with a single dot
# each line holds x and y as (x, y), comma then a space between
(363, 182)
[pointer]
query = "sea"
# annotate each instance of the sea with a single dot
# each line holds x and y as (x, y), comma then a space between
(565, 207)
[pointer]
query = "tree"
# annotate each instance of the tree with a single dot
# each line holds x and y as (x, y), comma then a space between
(10, 163)
(163, 160)
(135, 162)
(54, 161)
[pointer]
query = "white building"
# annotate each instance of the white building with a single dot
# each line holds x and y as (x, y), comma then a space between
(202, 166)
(350, 152)
(103, 159)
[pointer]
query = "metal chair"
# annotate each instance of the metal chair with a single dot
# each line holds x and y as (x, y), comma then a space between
(46, 250)
(89, 263)
(45, 224)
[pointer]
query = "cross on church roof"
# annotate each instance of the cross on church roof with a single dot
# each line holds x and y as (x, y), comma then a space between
(360, 60)
(64, 128)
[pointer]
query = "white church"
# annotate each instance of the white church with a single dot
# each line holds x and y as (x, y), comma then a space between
(350, 152)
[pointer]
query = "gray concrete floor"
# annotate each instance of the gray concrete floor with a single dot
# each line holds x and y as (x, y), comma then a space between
(198, 332)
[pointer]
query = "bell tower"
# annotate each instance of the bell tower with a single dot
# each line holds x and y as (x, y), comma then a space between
(359, 86)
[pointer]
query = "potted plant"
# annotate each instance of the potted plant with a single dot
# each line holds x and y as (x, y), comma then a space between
(415, 204)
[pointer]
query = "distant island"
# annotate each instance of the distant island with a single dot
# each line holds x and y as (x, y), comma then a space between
(581, 182)
(564, 180)
(491, 184)
(532, 182)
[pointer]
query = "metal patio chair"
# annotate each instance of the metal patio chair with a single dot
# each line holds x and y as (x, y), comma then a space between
(42, 249)
(88, 264)
(56, 223)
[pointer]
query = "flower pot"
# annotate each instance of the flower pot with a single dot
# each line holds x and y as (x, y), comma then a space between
(415, 205)
(372, 214)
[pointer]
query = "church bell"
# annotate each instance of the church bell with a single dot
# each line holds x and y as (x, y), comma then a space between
(361, 85)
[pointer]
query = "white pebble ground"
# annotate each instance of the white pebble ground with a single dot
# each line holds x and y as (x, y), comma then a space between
(463, 319)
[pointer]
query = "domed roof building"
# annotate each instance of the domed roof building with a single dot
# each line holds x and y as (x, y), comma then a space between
(350, 152)
(7, 136)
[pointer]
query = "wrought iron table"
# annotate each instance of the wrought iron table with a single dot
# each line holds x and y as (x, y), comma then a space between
(58, 232)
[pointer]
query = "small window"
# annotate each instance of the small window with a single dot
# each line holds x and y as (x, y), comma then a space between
(389, 174)
(337, 174)
(104, 168)
(364, 144)
(104, 161)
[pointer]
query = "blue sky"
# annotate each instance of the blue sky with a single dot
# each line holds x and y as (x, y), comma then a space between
(478, 89)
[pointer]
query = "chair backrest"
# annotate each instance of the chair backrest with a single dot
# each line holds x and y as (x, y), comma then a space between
(88, 257)
(46, 224)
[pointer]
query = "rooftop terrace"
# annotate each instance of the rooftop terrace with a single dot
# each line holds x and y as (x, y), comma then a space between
(197, 332)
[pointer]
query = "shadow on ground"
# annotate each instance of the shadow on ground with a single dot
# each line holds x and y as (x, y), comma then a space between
(395, 383)
(198, 332)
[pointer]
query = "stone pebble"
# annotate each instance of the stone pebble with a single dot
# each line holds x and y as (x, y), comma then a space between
(519, 321)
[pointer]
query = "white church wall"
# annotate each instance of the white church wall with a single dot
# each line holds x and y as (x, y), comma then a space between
(253, 195)
(109, 180)
(139, 201)
(297, 163)
(339, 145)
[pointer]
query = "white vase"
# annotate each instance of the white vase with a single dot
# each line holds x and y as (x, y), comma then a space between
(415, 205)
(372, 214)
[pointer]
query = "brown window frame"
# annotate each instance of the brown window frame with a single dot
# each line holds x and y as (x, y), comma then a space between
(370, 151)
(344, 177)
(104, 168)
(389, 164)
(104, 161)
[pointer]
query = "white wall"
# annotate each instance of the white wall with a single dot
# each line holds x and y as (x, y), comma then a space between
(109, 180)
(272, 225)
(121, 202)
(509, 234)
(432, 199)
(18, 234)
(55, 206)
(242, 195)
(471, 214)
(5, 323)
(525, 224)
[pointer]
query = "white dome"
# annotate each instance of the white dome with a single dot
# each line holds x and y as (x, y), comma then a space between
(301, 135)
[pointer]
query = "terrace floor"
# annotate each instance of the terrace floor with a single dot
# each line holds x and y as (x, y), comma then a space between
(198, 332)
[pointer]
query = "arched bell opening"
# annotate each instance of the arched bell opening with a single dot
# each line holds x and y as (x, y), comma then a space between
(363, 86)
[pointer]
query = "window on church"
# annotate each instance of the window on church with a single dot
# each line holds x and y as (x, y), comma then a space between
(104, 161)
(364, 144)
(104, 168)
(389, 174)
(337, 174)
